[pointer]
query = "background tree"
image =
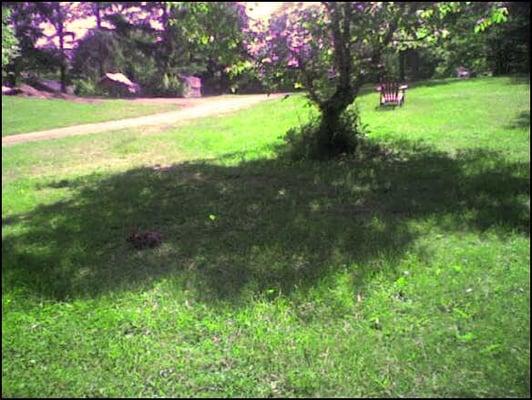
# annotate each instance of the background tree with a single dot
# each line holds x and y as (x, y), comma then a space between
(329, 49)
(201, 39)
(508, 44)
(475, 38)
(9, 41)
(127, 48)
(26, 19)
(99, 10)
(214, 33)
(59, 14)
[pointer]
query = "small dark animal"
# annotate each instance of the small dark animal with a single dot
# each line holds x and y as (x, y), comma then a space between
(145, 239)
(286, 96)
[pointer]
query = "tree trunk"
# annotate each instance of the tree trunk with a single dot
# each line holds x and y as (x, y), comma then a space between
(330, 122)
(63, 77)
(96, 9)
(62, 67)
(98, 15)
(415, 66)
(333, 138)
(165, 15)
(166, 39)
(402, 65)
(61, 35)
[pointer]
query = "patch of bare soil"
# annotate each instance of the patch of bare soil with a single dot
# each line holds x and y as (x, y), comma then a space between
(194, 101)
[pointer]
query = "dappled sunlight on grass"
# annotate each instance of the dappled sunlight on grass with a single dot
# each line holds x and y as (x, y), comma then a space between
(326, 214)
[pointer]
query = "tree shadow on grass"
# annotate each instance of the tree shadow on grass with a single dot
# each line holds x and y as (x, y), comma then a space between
(435, 82)
(371, 88)
(257, 226)
(520, 79)
(521, 121)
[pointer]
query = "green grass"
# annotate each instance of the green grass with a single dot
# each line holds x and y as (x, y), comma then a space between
(402, 276)
(20, 115)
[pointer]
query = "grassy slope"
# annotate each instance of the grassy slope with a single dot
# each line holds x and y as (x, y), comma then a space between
(20, 115)
(390, 278)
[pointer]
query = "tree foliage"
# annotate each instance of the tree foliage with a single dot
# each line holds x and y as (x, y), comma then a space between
(9, 41)
(127, 48)
(26, 19)
(213, 34)
(200, 38)
(328, 49)
(186, 42)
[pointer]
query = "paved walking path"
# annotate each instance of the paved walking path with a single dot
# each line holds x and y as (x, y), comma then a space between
(204, 107)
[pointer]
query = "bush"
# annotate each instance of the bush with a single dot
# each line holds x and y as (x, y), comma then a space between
(86, 87)
(303, 142)
(171, 86)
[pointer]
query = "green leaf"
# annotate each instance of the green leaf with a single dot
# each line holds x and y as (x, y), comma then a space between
(468, 337)
(401, 282)
(491, 348)
(461, 313)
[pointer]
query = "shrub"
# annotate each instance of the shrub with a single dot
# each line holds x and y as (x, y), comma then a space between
(303, 142)
(86, 87)
(171, 85)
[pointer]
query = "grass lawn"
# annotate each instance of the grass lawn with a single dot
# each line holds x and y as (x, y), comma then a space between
(402, 276)
(22, 114)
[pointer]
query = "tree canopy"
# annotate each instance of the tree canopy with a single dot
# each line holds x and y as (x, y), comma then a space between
(9, 40)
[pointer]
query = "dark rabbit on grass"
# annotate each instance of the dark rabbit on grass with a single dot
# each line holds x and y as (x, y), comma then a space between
(144, 239)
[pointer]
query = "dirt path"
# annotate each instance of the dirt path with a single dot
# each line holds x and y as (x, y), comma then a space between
(194, 108)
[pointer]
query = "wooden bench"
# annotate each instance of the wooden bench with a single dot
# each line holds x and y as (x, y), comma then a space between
(392, 93)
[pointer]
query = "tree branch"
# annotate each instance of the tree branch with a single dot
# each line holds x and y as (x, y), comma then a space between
(308, 80)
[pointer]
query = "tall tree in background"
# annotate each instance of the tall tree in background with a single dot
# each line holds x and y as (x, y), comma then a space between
(99, 10)
(508, 45)
(154, 43)
(59, 13)
(26, 18)
(9, 41)
(104, 48)
(127, 47)
(329, 49)
(214, 33)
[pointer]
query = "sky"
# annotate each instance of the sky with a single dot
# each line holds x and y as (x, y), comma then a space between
(262, 9)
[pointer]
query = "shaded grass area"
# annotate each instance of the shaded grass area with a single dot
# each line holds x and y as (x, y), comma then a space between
(388, 277)
(20, 114)
(236, 218)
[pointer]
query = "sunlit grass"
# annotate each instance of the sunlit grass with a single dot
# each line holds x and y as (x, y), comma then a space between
(403, 276)
(23, 114)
